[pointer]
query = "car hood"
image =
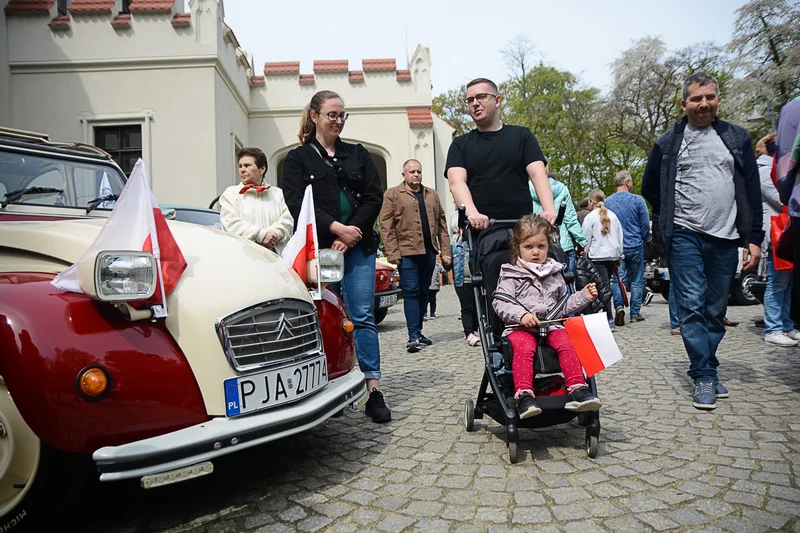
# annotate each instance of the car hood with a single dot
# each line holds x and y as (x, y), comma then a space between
(224, 274)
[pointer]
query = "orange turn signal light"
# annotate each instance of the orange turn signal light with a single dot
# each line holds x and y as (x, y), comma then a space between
(93, 382)
(347, 326)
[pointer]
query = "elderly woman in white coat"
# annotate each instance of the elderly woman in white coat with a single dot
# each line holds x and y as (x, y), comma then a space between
(255, 210)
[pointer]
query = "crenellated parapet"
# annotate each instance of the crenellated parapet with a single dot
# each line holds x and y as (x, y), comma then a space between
(336, 66)
(117, 12)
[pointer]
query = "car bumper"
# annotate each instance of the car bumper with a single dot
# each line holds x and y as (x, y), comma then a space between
(379, 295)
(221, 436)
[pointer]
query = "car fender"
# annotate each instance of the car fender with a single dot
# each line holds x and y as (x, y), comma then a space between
(47, 337)
(339, 347)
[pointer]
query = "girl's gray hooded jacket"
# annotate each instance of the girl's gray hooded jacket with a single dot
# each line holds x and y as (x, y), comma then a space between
(522, 290)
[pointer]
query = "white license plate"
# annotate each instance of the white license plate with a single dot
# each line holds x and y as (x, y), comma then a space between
(387, 301)
(274, 387)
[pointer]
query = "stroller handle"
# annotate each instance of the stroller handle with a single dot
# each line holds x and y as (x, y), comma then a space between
(562, 209)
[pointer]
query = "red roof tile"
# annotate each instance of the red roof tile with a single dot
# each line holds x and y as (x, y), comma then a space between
(182, 19)
(257, 80)
(28, 7)
(334, 65)
(306, 79)
(151, 6)
(403, 75)
(282, 67)
(419, 116)
(60, 23)
(356, 76)
(378, 65)
(121, 21)
(78, 7)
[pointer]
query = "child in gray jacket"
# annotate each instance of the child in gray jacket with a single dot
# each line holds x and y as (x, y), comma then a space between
(528, 288)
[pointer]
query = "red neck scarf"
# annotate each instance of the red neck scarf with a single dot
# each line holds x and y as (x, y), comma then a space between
(258, 188)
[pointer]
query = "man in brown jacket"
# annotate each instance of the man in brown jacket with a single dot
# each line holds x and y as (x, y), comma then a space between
(414, 231)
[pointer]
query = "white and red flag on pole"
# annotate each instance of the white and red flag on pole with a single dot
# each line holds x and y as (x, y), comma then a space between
(303, 245)
(593, 341)
(136, 224)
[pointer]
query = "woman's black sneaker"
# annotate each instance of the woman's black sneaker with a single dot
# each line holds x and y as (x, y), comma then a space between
(583, 400)
(376, 407)
(424, 340)
(527, 406)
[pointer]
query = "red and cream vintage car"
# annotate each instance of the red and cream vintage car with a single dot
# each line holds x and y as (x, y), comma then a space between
(245, 356)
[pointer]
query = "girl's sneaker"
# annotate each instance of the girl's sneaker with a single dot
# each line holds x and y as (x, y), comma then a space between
(583, 400)
(473, 339)
(527, 406)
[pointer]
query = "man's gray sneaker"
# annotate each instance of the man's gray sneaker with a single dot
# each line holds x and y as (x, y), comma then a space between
(720, 390)
(705, 395)
(413, 345)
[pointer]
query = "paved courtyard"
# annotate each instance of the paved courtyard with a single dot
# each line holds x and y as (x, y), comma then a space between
(662, 465)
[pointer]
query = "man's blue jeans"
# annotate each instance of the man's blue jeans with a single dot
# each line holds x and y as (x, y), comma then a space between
(357, 290)
(673, 308)
(632, 268)
(416, 272)
(777, 299)
(701, 269)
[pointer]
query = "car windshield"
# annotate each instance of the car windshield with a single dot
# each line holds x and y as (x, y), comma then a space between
(204, 218)
(79, 182)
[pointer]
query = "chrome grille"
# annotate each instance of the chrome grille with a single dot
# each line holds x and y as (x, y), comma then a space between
(270, 333)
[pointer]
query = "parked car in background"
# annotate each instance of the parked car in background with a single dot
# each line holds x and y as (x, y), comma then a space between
(94, 379)
(656, 275)
(387, 288)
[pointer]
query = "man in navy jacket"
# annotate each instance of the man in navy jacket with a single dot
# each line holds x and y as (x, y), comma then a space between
(702, 179)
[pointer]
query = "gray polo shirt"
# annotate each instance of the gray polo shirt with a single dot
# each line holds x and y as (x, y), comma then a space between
(704, 191)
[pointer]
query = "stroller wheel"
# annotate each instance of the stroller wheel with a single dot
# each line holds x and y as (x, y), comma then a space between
(591, 446)
(469, 415)
(513, 452)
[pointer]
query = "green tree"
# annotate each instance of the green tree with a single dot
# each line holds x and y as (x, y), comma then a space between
(451, 106)
(766, 43)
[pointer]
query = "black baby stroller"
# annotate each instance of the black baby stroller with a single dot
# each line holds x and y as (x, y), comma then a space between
(496, 393)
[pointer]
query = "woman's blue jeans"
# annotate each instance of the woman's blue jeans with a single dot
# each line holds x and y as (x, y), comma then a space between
(777, 299)
(357, 290)
(701, 269)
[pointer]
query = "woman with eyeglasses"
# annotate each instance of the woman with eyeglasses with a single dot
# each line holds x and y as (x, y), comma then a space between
(347, 199)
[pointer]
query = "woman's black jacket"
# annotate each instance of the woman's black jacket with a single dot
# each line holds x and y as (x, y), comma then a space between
(351, 169)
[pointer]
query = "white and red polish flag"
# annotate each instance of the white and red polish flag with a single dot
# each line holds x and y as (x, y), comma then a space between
(137, 224)
(593, 341)
(303, 245)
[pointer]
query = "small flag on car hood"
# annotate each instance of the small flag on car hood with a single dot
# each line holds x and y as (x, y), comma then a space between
(137, 224)
(303, 246)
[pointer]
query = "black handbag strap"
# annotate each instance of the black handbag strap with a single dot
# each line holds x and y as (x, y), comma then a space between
(352, 197)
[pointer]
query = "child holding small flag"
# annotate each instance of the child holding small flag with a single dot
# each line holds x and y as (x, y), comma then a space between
(529, 287)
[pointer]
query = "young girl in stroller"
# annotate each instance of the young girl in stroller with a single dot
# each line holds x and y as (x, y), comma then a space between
(528, 288)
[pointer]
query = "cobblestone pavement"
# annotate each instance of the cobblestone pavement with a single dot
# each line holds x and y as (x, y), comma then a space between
(662, 466)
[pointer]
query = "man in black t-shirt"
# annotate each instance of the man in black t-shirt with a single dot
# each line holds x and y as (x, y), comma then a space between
(414, 230)
(488, 168)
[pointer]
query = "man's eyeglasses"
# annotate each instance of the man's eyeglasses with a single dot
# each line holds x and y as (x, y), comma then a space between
(482, 98)
(332, 116)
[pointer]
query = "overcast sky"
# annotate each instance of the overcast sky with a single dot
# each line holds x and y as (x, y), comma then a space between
(465, 37)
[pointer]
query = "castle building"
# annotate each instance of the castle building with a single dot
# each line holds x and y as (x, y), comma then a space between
(142, 78)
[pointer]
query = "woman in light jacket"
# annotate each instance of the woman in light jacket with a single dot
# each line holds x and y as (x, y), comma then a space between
(570, 231)
(254, 210)
(603, 233)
